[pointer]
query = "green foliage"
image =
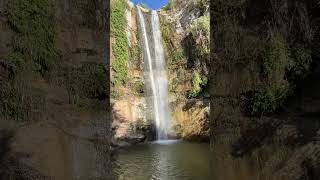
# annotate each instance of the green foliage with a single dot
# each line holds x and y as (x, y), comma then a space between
(16, 63)
(268, 99)
(200, 31)
(18, 100)
(301, 59)
(120, 45)
(116, 94)
(87, 82)
(35, 23)
(84, 102)
(168, 6)
(202, 5)
(197, 85)
(135, 52)
(139, 87)
(177, 56)
(276, 59)
(166, 31)
(93, 81)
(174, 55)
(14, 105)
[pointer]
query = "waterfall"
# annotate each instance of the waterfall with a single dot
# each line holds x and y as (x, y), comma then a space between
(156, 73)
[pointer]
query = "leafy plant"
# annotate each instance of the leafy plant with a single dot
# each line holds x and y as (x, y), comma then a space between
(200, 31)
(35, 23)
(301, 59)
(276, 59)
(174, 55)
(135, 52)
(93, 80)
(16, 63)
(197, 84)
(120, 45)
(202, 5)
(168, 6)
(139, 87)
(268, 99)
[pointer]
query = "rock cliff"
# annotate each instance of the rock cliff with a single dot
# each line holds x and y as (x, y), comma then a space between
(54, 90)
(264, 70)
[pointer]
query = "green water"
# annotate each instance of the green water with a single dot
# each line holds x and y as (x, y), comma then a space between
(164, 160)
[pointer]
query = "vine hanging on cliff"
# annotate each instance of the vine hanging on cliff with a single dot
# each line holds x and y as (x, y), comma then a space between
(120, 44)
(35, 23)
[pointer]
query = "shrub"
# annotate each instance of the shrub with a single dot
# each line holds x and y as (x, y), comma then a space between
(14, 105)
(139, 87)
(301, 59)
(18, 101)
(135, 53)
(35, 23)
(93, 81)
(197, 85)
(87, 82)
(202, 5)
(200, 31)
(120, 45)
(276, 59)
(268, 99)
(174, 55)
(16, 63)
(168, 6)
(116, 94)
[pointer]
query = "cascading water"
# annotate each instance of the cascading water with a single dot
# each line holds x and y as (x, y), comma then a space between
(154, 57)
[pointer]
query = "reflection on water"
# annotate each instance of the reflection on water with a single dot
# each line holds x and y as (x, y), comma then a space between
(164, 160)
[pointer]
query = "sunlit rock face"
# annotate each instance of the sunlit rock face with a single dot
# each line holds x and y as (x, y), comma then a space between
(189, 119)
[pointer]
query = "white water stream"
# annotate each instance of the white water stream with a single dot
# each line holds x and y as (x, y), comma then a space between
(154, 57)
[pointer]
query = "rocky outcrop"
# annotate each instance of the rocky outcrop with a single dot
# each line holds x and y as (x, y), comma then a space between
(67, 138)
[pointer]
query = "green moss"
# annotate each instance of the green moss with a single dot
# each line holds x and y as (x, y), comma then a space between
(120, 45)
(198, 83)
(35, 23)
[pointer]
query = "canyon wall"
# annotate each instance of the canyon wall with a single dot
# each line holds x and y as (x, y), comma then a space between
(264, 71)
(54, 117)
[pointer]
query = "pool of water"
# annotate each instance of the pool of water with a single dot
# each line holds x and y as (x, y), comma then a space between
(164, 160)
